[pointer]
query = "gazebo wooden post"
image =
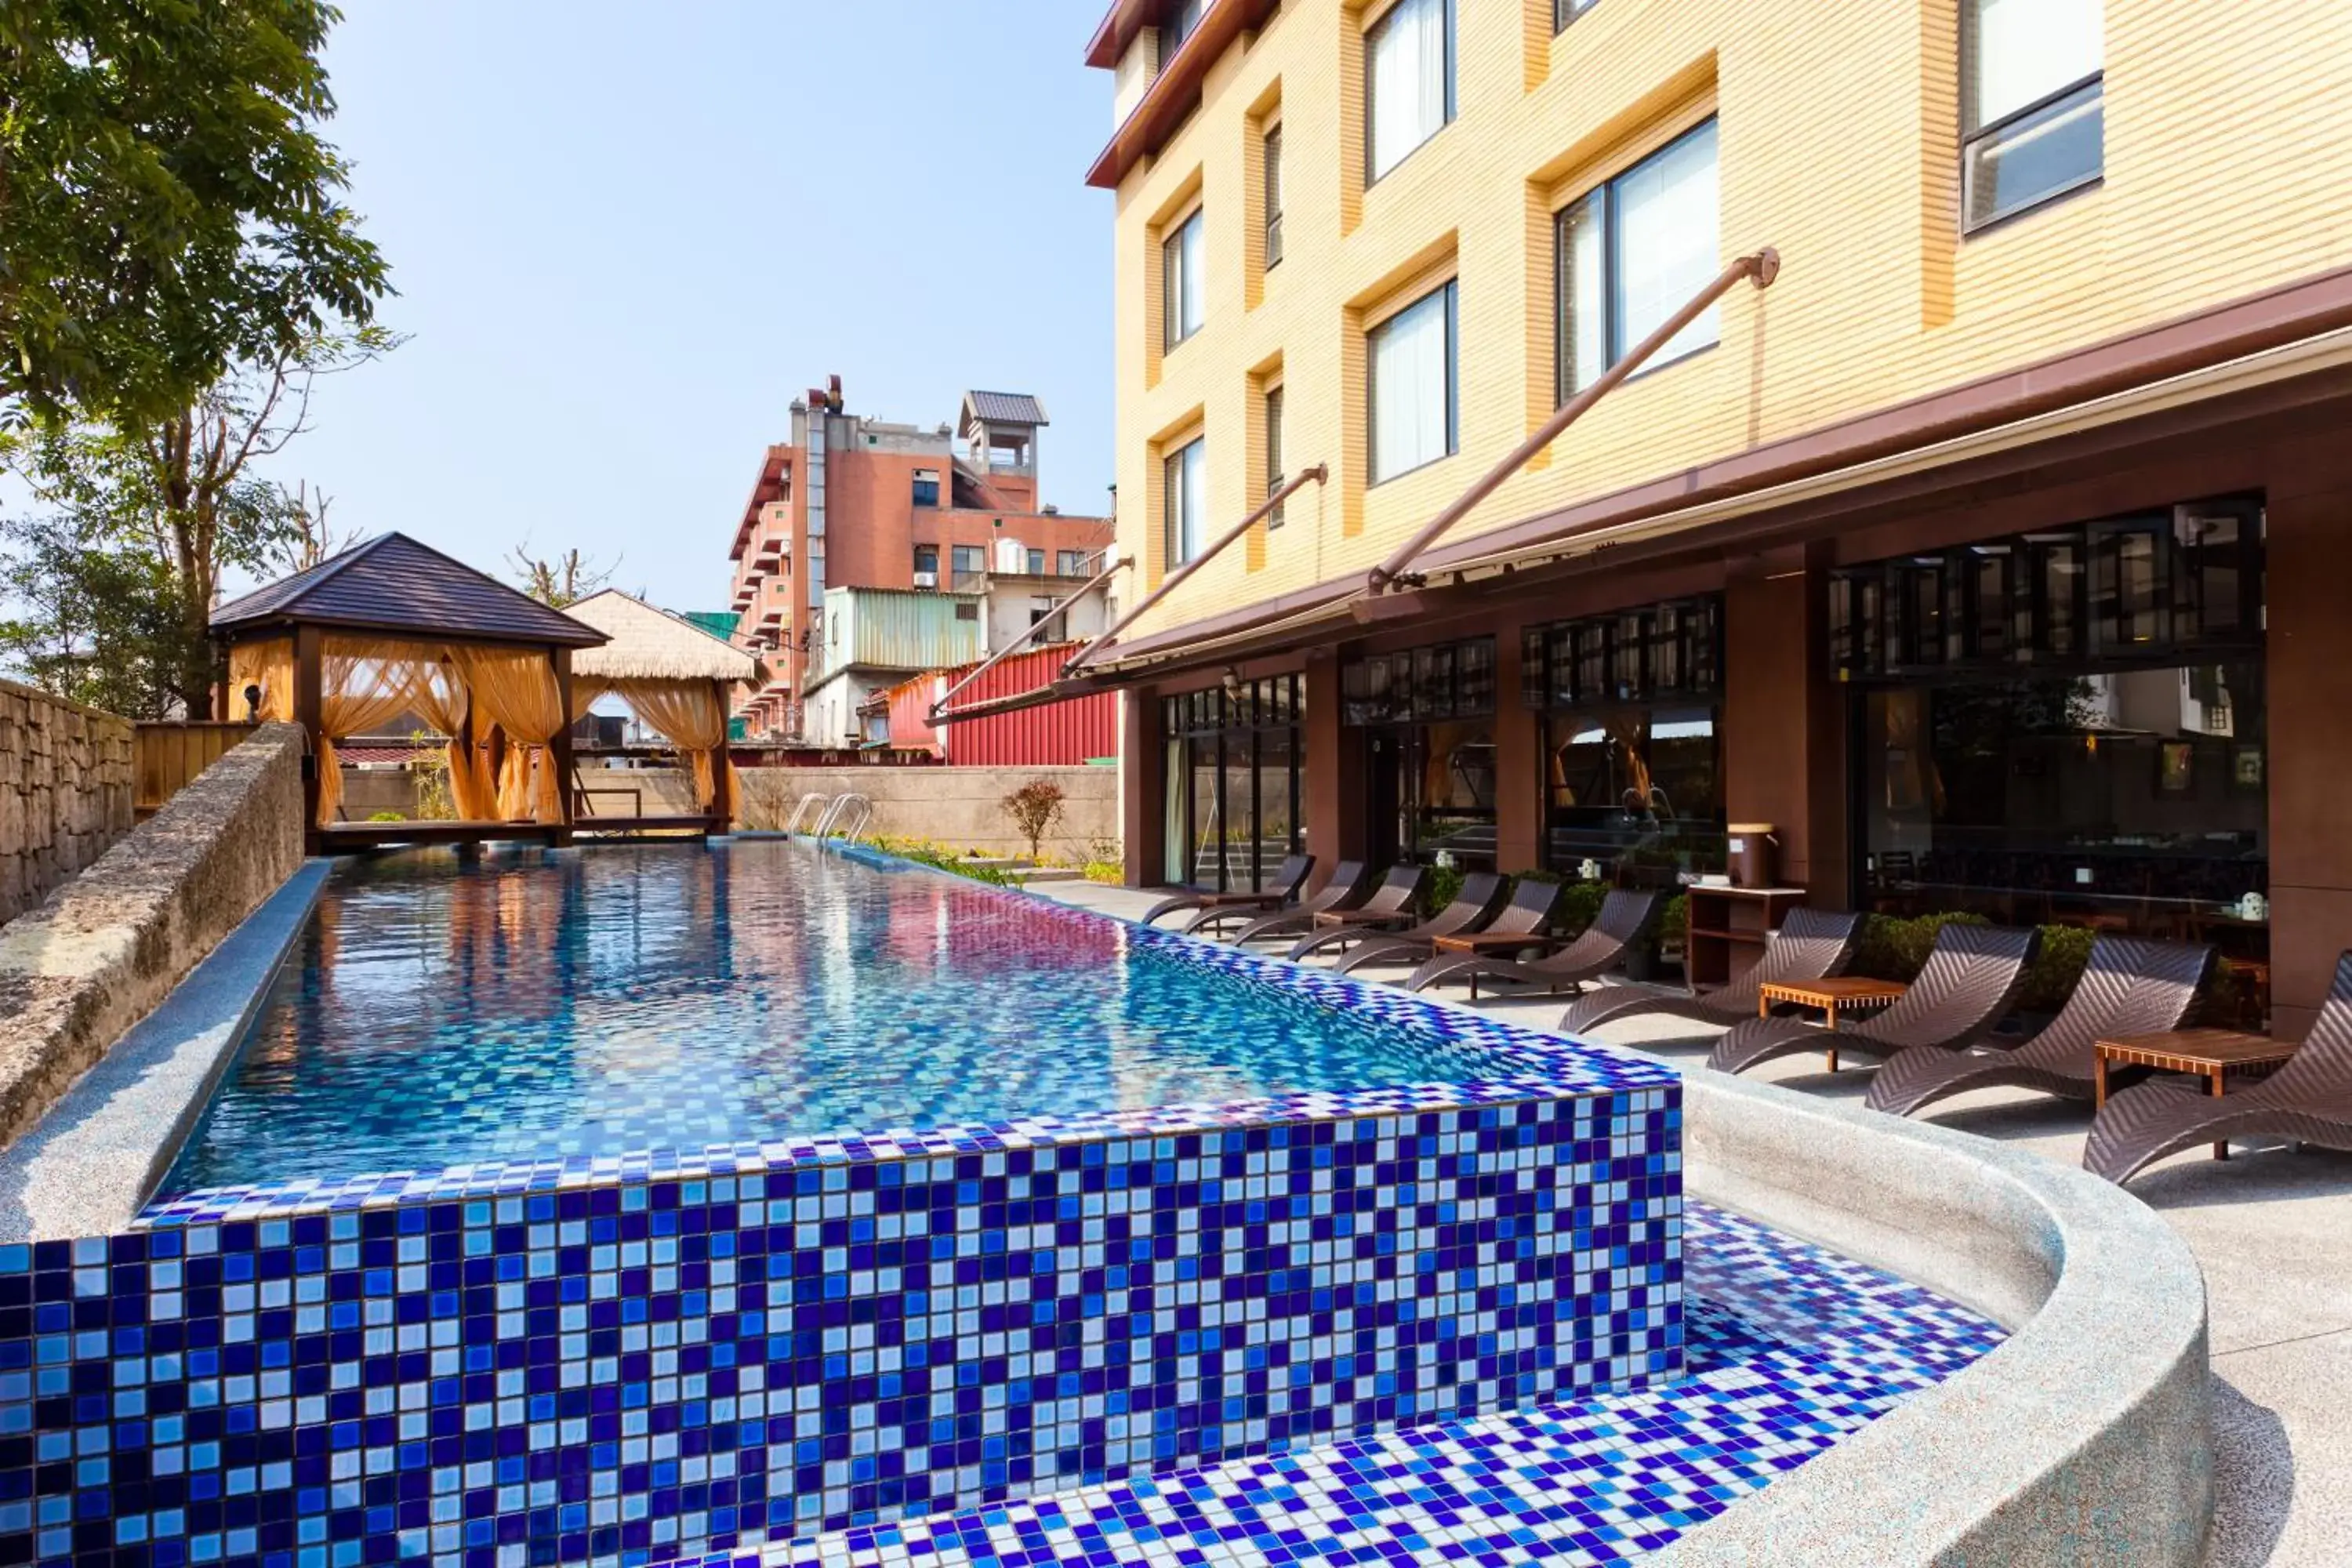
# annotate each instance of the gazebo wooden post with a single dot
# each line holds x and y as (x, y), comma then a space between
(722, 769)
(558, 749)
(309, 676)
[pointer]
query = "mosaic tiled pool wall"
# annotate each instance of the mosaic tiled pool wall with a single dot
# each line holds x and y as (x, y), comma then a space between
(636, 1370)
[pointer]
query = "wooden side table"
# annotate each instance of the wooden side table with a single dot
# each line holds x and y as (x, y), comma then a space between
(1496, 942)
(1852, 991)
(2211, 1053)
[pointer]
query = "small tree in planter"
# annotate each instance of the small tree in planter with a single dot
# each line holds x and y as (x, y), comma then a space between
(1036, 809)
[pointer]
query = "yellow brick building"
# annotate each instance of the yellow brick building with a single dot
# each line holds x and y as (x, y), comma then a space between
(2043, 264)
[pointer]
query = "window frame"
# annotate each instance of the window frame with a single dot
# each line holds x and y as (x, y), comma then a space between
(1070, 562)
(1272, 408)
(1180, 282)
(2091, 87)
(1564, 13)
(1372, 174)
(1171, 520)
(1450, 288)
(1614, 347)
(1270, 187)
(916, 490)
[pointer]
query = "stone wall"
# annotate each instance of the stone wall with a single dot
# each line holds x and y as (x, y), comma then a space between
(958, 806)
(109, 944)
(66, 778)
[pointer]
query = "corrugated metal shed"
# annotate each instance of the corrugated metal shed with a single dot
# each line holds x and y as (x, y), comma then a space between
(890, 629)
(1077, 730)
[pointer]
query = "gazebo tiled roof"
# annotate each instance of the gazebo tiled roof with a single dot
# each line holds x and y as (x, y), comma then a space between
(393, 583)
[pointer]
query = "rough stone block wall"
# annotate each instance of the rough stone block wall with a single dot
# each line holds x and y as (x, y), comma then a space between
(107, 946)
(67, 782)
(957, 807)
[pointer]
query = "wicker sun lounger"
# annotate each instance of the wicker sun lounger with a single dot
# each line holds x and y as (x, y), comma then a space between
(1812, 944)
(1480, 900)
(1972, 974)
(1351, 883)
(2307, 1100)
(1393, 895)
(2129, 987)
(1280, 889)
(1526, 915)
(1625, 917)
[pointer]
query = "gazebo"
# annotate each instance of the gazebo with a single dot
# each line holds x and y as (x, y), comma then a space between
(677, 677)
(390, 627)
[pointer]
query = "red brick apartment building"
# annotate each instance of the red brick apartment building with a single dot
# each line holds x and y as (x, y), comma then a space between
(852, 501)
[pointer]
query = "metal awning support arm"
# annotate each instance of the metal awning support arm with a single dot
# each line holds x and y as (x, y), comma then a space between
(1314, 475)
(1119, 564)
(1760, 269)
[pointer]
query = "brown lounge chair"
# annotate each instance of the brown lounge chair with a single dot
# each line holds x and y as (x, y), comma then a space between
(2307, 1100)
(1281, 888)
(1393, 896)
(1351, 883)
(1812, 944)
(1526, 915)
(2129, 987)
(1625, 917)
(1480, 900)
(1972, 974)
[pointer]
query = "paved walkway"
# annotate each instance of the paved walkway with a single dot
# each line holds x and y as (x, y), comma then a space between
(2272, 1229)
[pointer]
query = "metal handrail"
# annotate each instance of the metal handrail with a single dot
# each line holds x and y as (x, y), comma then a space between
(1760, 269)
(939, 708)
(1314, 475)
(793, 824)
(830, 822)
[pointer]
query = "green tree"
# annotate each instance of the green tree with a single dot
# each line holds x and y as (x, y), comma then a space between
(94, 621)
(167, 208)
(182, 494)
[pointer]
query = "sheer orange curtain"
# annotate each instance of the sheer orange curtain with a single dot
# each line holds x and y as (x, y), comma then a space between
(690, 715)
(269, 664)
(366, 681)
(517, 692)
(442, 701)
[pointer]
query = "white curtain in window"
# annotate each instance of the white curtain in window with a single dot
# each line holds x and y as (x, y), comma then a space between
(1586, 291)
(2027, 49)
(1188, 277)
(1407, 84)
(1409, 355)
(1186, 501)
(1668, 243)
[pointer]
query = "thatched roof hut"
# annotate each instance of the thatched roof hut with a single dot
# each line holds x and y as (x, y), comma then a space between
(646, 644)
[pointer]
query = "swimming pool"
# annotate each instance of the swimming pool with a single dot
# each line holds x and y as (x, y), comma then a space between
(553, 1007)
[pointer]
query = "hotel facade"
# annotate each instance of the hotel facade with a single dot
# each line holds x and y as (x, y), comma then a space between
(1981, 529)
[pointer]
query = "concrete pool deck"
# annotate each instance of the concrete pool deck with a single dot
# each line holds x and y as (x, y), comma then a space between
(2270, 1230)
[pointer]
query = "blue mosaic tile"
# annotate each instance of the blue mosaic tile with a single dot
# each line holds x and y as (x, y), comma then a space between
(1791, 1350)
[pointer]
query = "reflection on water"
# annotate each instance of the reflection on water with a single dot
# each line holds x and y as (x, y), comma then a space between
(615, 1000)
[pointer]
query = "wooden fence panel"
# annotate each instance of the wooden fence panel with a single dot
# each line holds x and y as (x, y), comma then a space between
(168, 756)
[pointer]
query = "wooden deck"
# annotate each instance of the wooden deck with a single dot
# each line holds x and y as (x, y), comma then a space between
(343, 837)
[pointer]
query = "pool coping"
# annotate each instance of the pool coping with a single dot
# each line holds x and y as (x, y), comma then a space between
(1545, 1070)
(87, 1166)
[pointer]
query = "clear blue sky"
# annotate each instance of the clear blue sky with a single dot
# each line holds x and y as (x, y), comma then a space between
(625, 238)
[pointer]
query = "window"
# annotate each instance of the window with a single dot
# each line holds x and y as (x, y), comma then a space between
(1070, 563)
(1184, 503)
(1408, 81)
(1412, 393)
(1631, 253)
(1429, 749)
(1180, 258)
(926, 487)
(2031, 102)
(1180, 21)
(1235, 783)
(1274, 197)
(1273, 479)
(816, 558)
(1036, 563)
(966, 612)
(1563, 12)
(971, 564)
(927, 559)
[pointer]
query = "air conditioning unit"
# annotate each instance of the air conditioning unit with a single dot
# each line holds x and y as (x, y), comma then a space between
(926, 579)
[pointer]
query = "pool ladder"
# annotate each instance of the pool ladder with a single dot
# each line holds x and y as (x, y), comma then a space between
(836, 817)
(819, 802)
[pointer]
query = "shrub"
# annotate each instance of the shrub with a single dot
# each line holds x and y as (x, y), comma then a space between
(1893, 948)
(1036, 809)
(1673, 921)
(1105, 862)
(924, 852)
(2057, 965)
(1444, 884)
(386, 817)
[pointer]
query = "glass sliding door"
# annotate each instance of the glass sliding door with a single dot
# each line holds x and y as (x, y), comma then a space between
(1235, 783)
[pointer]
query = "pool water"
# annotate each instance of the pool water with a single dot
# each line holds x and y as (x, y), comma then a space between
(553, 1005)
